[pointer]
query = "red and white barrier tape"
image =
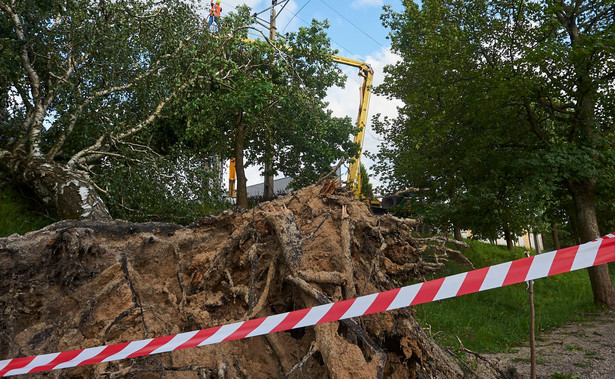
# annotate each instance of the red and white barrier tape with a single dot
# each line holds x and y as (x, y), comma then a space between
(589, 254)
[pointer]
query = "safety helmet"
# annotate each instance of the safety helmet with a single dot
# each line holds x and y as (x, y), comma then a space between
(218, 2)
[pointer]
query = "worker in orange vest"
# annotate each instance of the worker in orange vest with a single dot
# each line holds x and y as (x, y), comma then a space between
(214, 12)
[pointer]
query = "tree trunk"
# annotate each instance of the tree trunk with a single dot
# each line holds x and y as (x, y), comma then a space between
(268, 193)
(556, 244)
(574, 227)
(242, 193)
(59, 186)
(457, 233)
(583, 195)
(508, 237)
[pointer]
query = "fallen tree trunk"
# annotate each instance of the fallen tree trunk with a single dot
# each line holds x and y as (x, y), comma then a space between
(83, 284)
(66, 189)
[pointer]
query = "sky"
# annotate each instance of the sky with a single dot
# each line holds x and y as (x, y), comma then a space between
(357, 32)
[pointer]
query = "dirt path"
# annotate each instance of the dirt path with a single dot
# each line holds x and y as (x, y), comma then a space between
(584, 349)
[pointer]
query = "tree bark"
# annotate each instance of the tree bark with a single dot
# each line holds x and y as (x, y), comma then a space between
(457, 233)
(70, 191)
(583, 195)
(508, 237)
(268, 193)
(242, 193)
(556, 244)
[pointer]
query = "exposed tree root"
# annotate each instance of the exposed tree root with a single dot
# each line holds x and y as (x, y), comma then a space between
(316, 246)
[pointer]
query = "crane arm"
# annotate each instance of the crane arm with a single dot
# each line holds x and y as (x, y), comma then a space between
(367, 72)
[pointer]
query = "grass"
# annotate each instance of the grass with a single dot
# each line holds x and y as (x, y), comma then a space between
(19, 213)
(497, 319)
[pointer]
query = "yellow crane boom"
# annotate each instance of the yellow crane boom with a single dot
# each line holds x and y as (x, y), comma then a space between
(367, 72)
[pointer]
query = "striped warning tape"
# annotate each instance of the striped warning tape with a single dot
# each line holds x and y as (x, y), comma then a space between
(586, 255)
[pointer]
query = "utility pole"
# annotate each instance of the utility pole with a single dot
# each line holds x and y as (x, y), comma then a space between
(268, 182)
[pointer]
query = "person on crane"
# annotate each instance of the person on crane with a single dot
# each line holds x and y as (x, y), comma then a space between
(214, 13)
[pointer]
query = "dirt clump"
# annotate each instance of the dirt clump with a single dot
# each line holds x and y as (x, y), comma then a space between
(83, 284)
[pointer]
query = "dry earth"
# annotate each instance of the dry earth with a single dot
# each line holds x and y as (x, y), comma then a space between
(585, 349)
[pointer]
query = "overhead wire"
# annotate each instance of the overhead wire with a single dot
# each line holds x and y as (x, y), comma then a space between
(342, 47)
(295, 15)
(352, 23)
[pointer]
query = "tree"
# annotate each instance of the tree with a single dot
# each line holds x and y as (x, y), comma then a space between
(270, 110)
(367, 190)
(511, 88)
(85, 78)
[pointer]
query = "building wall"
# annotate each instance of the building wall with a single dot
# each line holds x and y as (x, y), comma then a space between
(526, 241)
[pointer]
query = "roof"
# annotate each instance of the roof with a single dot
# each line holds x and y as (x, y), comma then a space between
(280, 187)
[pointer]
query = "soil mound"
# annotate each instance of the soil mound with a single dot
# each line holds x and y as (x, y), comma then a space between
(82, 284)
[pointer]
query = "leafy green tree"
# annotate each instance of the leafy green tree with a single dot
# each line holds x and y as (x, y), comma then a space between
(367, 190)
(506, 94)
(86, 78)
(269, 109)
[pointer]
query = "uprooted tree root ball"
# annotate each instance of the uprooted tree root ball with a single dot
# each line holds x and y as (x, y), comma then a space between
(77, 284)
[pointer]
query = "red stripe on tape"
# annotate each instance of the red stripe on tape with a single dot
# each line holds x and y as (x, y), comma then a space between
(428, 291)
(337, 311)
(382, 301)
(106, 353)
(291, 320)
(473, 281)
(61, 358)
(518, 271)
(151, 346)
(199, 337)
(16, 364)
(606, 252)
(245, 329)
(563, 260)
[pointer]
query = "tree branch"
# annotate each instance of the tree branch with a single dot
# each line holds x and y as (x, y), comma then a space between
(532, 119)
(82, 156)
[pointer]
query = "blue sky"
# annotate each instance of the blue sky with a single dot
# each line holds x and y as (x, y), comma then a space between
(357, 32)
(355, 26)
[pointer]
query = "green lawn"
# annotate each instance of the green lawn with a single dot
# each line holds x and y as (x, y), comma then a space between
(497, 319)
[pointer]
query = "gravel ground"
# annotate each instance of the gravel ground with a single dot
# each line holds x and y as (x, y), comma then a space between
(584, 349)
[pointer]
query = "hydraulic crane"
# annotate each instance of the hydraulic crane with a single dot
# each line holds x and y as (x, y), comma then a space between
(367, 73)
(354, 177)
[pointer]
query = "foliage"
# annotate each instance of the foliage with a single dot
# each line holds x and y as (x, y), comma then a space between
(504, 107)
(141, 83)
(367, 190)
(178, 189)
(270, 104)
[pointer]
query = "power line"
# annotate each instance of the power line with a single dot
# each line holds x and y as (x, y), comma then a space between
(343, 48)
(295, 15)
(351, 23)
